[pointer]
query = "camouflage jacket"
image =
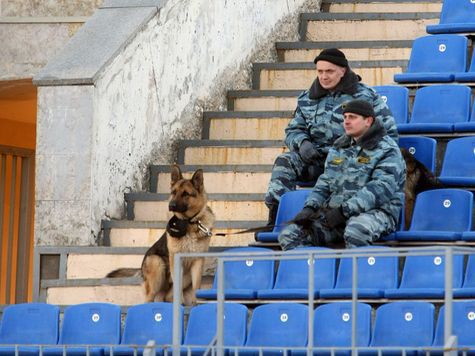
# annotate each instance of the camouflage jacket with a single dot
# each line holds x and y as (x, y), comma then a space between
(368, 174)
(319, 116)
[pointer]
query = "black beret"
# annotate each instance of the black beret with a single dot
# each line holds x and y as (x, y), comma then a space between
(360, 107)
(332, 55)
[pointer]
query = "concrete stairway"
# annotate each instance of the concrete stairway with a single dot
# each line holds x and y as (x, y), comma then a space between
(238, 146)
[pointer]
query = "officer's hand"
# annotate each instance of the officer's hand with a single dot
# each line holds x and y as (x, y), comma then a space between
(308, 152)
(334, 217)
(303, 217)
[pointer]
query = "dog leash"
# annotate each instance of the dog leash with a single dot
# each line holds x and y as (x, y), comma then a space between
(253, 229)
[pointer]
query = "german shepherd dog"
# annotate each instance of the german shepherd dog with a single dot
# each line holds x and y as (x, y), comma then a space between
(189, 230)
(418, 179)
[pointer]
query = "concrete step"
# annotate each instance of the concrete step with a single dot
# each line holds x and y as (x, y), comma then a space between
(217, 178)
(293, 76)
(396, 6)
(302, 51)
(240, 125)
(364, 26)
(262, 100)
(229, 152)
(226, 207)
(126, 233)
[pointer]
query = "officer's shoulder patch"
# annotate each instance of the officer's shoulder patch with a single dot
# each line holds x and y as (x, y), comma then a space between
(364, 160)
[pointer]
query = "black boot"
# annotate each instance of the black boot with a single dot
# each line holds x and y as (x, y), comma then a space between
(270, 220)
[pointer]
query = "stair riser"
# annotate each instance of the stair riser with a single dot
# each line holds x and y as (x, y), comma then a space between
(225, 182)
(248, 129)
(231, 155)
(147, 237)
(386, 7)
(265, 103)
(122, 295)
(224, 210)
(97, 266)
(302, 79)
(360, 30)
(353, 54)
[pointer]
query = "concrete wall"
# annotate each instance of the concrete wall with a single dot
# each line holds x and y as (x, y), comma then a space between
(147, 98)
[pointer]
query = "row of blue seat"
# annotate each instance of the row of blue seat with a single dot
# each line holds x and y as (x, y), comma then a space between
(408, 325)
(422, 276)
(457, 16)
(437, 108)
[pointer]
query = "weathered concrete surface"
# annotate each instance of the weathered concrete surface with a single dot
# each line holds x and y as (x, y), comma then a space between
(152, 95)
(44, 8)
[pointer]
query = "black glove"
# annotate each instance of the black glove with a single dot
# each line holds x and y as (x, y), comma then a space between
(308, 152)
(334, 217)
(303, 217)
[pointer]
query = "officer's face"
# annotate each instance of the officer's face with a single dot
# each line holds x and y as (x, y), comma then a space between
(356, 125)
(329, 74)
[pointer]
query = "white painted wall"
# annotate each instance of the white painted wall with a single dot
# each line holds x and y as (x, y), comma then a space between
(153, 93)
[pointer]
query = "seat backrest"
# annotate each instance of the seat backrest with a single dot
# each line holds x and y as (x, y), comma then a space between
(459, 158)
(149, 321)
(457, 11)
(290, 204)
(422, 148)
(91, 323)
(404, 324)
(30, 323)
(429, 272)
(463, 323)
(397, 99)
(201, 328)
(247, 273)
(279, 324)
(294, 273)
(438, 53)
(450, 210)
(441, 104)
(373, 271)
(469, 277)
(332, 325)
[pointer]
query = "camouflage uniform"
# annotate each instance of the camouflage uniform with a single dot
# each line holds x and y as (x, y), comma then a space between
(366, 179)
(319, 118)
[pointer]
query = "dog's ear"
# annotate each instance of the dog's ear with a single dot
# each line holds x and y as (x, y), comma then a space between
(197, 180)
(176, 174)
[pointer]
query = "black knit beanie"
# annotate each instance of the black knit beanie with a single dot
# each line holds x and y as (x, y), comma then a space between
(332, 55)
(360, 107)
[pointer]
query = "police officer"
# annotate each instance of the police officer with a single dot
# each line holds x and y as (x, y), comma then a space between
(317, 123)
(359, 196)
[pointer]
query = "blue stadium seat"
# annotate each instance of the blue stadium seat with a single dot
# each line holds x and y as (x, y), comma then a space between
(467, 126)
(468, 76)
(402, 324)
(424, 277)
(283, 325)
(457, 16)
(28, 324)
(435, 58)
(422, 148)
(201, 328)
(243, 278)
(437, 108)
(463, 326)
(397, 98)
(332, 328)
(458, 166)
(88, 324)
(292, 277)
(450, 215)
(375, 275)
(468, 286)
(290, 204)
(144, 322)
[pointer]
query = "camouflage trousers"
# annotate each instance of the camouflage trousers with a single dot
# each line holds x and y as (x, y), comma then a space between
(289, 168)
(360, 230)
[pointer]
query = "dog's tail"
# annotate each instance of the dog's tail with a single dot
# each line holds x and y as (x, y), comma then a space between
(125, 272)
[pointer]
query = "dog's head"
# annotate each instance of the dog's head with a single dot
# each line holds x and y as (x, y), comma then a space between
(188, 196)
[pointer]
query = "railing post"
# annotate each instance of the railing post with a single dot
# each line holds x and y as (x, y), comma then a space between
(177, 282)
(448, 339)
(311, 301)
(354, 297)
(220, 309)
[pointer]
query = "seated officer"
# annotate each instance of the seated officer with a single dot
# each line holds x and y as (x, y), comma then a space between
(359, 196)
